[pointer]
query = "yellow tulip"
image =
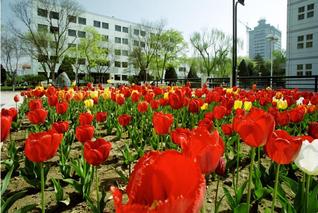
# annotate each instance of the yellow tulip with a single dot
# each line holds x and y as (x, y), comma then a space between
(282, 104)
(106, 95)
(238, 104)
(247, 105)
(229, 90)
(89, 103)
(73, 84)
(94, 94)
(166, 95)
(204, 106)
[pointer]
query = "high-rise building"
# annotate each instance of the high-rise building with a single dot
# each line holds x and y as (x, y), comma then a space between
(261, 40)
(302, 38)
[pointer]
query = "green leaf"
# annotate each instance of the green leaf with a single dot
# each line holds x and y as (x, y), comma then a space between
(59, 194)
(11, 200)
(5, 182)
(241, 208)
(26, 208)
(240, 192)
(293, 185)
(229, 198)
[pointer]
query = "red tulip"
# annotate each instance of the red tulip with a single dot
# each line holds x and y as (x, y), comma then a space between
(194, 106)
(221, 168)
(163, 182)
(206, 123)
(120, 99)
(313, 130)
(86, 118)
(124, 120)
(282, 118)
(204, 148)
(283, 148)
(35, 104)
(5, 126)
(61, 108)
(61, 127)
(162, 122)
(227, 129)
(255, 128)
(135, 97)
(180, 136)
(296, 115)
(12, 112)
(40, 147)
(37, 116)
(219, 112)
(142, 107)
(52, 100)
(16, 98)
(175, 100)
(96, 152)
(154, 104)
(84, 133)
(101, 116)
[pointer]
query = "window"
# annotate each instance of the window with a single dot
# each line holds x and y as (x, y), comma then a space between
(125, 40)
(124, 64)
(81, 34)
(182, 69)
(117, 52)
(301, 13)
(71, 45)
(117, 28)
(143, 33)
(309, 40)
(42, 28)
(124, 52)
(117, 77)
(136, 32)
(125, 29)
(72, 32)
(300, 42)
(308, 71)
(82, 20)
(117, 40)
(104, 37)
(300, 69)
(54, 29)
(96, 23)
(105, 25)
(136, 43)
(143, 44)
(124, 77)
(42, 12)
(81, 61)
(72, 19)
(117, 63)
(54, 15)
(310, 10)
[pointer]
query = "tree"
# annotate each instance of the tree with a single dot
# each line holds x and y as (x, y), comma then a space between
(11, 54)
(46, 42)
(242, 69)
(211, 47)
(146, 45)
(66, 66)
(171, 74)
(3, 75)
(171, 44)
(279, 62)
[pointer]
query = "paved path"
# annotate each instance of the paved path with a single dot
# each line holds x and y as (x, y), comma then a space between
(6, 99)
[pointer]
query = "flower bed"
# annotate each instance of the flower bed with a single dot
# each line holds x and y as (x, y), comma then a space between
(160, 149)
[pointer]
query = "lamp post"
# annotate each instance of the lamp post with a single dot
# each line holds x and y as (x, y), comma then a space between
(272, 40)
(234, 54)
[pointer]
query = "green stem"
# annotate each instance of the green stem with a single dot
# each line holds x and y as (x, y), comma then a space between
(307, 191)
(303, 186)
(259, 156)
(97, 189)
(250, 180)
(237, 162)
(42, 188)
(275, 188)
(216, 194)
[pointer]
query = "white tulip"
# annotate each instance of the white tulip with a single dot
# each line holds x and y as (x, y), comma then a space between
(300, 101)
(307, 159)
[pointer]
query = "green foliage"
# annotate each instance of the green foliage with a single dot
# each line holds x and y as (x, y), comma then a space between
(242, 69)
(33, 80)
(3, 74)
(67, 67)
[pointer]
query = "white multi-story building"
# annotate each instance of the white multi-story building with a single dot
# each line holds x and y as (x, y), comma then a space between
(302, 38)
(119, 37)
(259, 42)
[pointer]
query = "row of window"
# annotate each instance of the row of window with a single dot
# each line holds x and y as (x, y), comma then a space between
(305, 41)
(302, 12)
(119, 52)
(123, 64)
(139, 43)
(119, 40)
(301, 70)
(123, 77)
(80, 34)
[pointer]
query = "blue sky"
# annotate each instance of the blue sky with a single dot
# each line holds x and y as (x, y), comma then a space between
(189, 16)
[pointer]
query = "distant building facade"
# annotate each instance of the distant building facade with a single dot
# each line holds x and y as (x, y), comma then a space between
(260, 44)
(302, 38)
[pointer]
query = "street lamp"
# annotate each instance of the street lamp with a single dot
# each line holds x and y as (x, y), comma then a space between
(234, 54)
(272, 40)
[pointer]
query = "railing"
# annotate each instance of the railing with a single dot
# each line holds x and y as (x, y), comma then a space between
(278, 82)
(195, 82)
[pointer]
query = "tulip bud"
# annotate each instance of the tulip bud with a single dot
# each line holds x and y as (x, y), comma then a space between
(221, 168)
